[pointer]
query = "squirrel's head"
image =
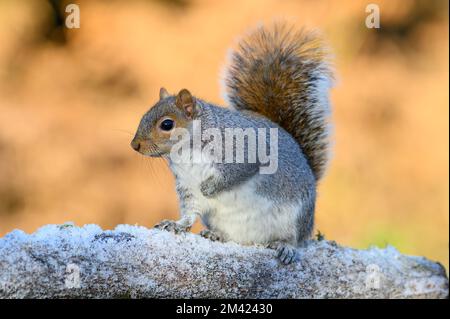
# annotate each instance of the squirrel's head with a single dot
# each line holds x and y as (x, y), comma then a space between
(152, 137)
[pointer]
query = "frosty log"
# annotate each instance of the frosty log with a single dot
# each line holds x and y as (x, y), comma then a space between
(134, 262)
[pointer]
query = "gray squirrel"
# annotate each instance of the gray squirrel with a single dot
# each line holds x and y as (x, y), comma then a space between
(278, 78)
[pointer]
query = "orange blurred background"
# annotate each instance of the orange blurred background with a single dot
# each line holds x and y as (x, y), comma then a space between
(70, 101)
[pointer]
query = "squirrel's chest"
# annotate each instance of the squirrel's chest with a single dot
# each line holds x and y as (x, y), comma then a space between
(189, 176)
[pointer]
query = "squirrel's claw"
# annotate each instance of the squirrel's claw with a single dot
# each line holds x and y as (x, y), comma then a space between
(285, 253)
(172, 226)
(209, 234)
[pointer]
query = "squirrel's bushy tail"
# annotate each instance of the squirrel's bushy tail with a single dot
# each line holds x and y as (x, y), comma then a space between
(285, 75)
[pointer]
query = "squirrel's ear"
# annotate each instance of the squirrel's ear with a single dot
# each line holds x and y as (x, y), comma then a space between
(186, 102)
(163, 93)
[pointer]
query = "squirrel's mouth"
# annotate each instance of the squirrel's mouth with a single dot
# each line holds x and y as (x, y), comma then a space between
(155, 154)
(146, 148)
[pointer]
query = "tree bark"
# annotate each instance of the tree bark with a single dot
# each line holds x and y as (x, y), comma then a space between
(64, 261)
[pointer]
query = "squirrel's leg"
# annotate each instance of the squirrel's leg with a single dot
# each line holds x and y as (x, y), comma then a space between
(285, 252)
(188, 210)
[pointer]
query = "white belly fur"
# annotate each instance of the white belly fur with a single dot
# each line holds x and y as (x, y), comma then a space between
(240, 215)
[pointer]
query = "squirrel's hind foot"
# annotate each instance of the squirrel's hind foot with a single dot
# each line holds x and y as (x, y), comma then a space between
(172, 226)
(211, 235)
(285, 253)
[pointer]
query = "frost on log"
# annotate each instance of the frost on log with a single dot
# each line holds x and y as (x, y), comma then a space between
(65, 261)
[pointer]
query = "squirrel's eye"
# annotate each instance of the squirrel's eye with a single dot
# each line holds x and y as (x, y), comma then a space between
(167, 125)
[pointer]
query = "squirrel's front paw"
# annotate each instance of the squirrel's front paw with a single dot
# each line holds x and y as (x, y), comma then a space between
(172, 226)
(207, 187)
(209, 234)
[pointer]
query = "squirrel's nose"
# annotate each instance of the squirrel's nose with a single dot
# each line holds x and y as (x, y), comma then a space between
(135, 145)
